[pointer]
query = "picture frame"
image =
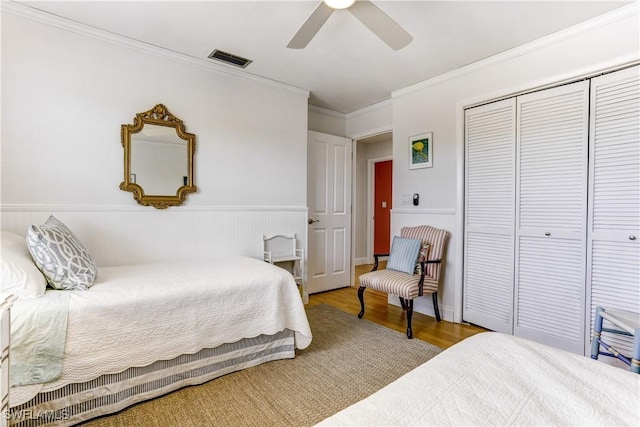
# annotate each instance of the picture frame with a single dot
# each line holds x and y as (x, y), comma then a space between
(421, 151)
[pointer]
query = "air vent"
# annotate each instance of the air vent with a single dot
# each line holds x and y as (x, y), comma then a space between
(229, 58)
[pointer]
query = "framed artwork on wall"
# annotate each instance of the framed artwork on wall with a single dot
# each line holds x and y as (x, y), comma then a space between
(421, 151)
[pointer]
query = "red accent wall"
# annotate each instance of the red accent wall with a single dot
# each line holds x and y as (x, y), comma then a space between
(382, 215)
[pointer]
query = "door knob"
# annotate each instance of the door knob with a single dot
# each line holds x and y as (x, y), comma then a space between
(547, 233)
(632, 237)
(311, 221)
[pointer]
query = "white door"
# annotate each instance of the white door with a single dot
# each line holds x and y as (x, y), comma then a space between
(490, 136)
(613, 271)
(551, 213)
(329, 201)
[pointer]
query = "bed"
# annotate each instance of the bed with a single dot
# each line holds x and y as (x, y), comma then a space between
(144, 330)
(496, 379)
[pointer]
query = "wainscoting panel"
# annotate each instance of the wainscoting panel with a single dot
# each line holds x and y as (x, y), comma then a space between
(117, 235)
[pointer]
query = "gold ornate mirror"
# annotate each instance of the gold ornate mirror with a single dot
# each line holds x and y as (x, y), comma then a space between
(158, 159)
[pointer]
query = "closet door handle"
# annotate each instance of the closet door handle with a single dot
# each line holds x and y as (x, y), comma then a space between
(311, 221)
(632, 237)
(546, 233)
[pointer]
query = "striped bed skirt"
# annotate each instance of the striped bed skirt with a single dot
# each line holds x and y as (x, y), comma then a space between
(111, 393)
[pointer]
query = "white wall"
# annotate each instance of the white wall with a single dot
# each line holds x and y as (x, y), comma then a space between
(436, 106)
(65, 92)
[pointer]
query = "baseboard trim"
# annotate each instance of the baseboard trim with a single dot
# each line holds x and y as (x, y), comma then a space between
(424, 305)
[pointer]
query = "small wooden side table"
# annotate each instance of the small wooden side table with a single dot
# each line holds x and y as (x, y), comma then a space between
(626, 323)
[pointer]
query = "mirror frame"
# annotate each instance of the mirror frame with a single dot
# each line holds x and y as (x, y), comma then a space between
(158, 115)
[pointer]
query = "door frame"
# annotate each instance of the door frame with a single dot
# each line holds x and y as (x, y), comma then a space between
(371, 201)
(355, 138)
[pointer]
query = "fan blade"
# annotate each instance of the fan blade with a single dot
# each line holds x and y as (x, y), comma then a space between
(311, 26)
(381, 24)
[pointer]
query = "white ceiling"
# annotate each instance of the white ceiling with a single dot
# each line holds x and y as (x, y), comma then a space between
(346, 67)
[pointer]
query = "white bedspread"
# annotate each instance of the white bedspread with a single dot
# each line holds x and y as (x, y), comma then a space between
(495, 380)
(136, 315)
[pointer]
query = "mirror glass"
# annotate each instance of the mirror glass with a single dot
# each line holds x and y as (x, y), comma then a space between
(158, 159)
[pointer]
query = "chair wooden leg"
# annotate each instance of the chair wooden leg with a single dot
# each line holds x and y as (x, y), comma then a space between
(361, 298)
(434, 296)
(597, 331)
(409, 316)
(403, 303)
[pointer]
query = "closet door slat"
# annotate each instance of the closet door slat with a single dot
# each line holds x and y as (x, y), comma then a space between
(551, 200)
(489, 215)
(613, 269)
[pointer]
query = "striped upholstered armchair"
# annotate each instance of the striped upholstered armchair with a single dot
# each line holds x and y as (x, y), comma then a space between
(410, 284)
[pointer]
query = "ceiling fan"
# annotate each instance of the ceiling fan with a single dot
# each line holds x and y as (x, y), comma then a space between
(365, 11)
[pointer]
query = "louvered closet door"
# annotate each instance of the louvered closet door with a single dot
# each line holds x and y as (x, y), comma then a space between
(489, 215)
(551, 216)
(614, 197)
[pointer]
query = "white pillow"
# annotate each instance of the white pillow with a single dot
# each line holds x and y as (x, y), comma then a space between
(61, 256)
(11, 239)
(18, 274)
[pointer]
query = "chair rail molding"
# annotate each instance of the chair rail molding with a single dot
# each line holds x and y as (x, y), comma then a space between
(423, 211)
(135, 208)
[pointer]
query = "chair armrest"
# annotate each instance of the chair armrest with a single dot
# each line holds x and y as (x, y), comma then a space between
(423, 273)
(375, 257)
(423, 265)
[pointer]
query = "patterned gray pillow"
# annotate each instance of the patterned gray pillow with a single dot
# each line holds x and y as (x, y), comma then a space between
(61, 257)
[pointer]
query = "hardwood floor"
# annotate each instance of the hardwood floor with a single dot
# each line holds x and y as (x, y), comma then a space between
(443, 334)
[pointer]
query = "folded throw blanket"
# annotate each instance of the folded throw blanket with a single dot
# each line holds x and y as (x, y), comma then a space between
(38, 332)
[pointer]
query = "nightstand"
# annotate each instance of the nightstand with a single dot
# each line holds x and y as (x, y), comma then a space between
(282, 250)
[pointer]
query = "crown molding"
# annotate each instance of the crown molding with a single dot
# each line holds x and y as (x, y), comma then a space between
(327, 112)
(371, 132)
(86, 30)
(377, 106)
(583, 27)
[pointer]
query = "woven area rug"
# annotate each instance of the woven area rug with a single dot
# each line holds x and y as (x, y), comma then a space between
(348, 360)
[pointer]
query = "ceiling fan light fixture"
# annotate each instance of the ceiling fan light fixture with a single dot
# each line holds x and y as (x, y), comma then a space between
(339, 4)
(374, 18)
